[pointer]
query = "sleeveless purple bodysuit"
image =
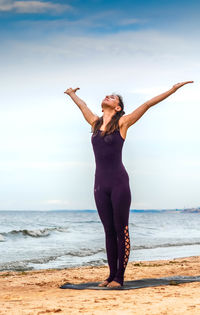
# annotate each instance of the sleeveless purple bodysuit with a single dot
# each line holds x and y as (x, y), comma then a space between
(113, 198)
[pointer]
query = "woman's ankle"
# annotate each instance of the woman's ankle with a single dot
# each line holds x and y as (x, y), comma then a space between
(110, 278)
(119, 280)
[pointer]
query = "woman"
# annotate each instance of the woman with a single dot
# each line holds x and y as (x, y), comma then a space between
(111, 188)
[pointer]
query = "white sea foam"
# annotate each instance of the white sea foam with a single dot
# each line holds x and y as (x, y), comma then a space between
(62, 239)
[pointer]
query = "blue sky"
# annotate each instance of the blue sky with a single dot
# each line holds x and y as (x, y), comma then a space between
(138, 49)
(97, 17)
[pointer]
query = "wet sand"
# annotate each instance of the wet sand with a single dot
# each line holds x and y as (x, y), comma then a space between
(38, 292)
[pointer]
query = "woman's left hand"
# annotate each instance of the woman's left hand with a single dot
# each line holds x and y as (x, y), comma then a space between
(178, 85)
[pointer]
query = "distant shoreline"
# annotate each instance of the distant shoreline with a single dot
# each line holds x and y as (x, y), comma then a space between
(188, 210)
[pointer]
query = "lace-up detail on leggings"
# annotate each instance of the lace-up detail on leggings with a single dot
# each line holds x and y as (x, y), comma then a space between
(127, 246)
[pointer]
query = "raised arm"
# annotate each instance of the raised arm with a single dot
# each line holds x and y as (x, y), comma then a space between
(87, 113)
(131, 118)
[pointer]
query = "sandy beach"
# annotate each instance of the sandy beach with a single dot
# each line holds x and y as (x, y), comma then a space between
(38, 292)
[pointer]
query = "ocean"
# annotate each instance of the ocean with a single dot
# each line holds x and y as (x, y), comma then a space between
(64, 239)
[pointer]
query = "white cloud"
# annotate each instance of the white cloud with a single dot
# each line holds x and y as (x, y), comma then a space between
(159, 48)
(104, 18)
(32, 6)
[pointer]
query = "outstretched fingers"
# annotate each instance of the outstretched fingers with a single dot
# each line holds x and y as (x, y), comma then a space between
(70, 90)
(186, 82)
(178, 85)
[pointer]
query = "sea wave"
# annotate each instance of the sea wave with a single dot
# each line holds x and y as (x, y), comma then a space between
(25, 264)
(84, 252)
(2, 239)
(33, 233)
(31, 264)
(137, 247)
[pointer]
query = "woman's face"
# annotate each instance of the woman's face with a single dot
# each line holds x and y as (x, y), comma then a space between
(111, 101)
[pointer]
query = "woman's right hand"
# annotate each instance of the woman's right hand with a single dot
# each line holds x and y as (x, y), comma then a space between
(70, 90)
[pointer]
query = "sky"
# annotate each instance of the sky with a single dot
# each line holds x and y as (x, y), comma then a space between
(138, 49)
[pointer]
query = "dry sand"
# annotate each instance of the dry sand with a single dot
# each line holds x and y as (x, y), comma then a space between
(38, 292)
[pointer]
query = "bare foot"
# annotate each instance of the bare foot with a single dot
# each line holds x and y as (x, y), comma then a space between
(103, 284)
(113, 284)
